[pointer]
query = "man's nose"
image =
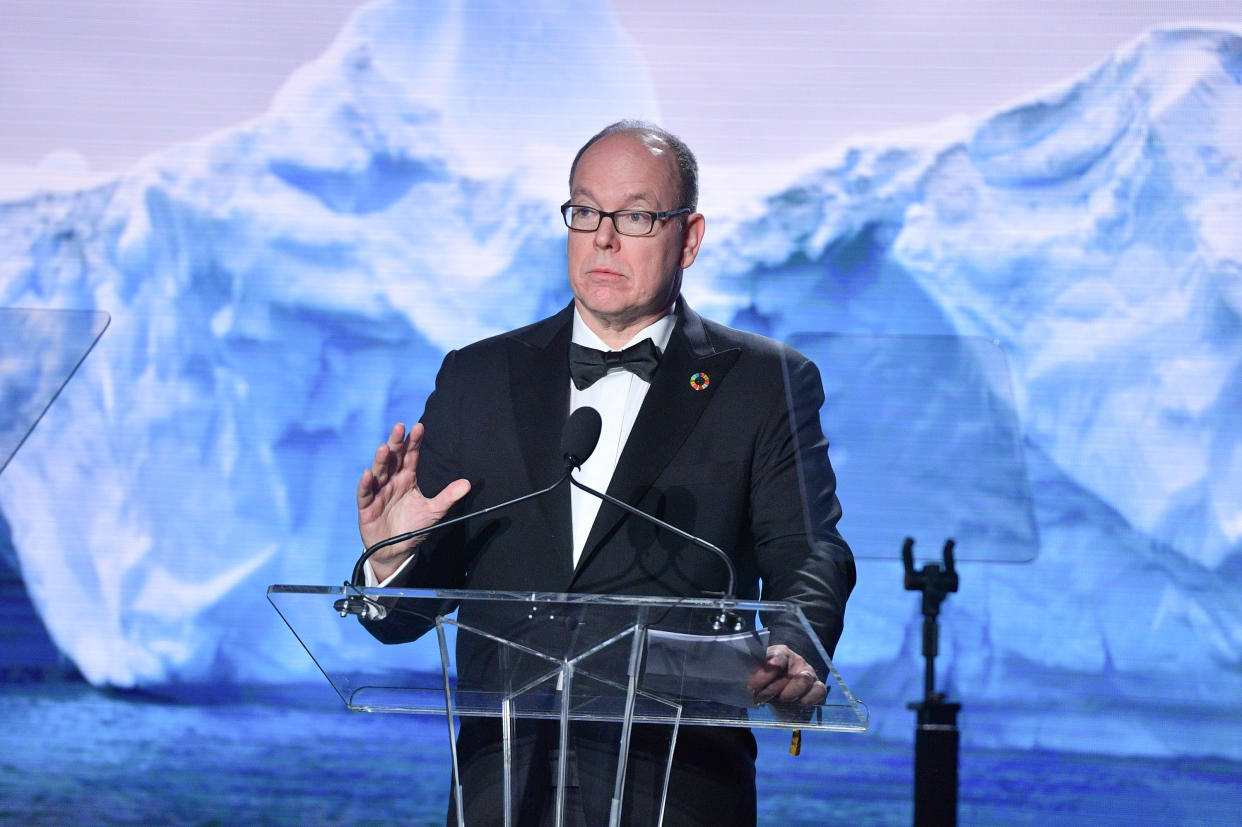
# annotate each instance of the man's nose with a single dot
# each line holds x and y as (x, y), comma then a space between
(606, 234)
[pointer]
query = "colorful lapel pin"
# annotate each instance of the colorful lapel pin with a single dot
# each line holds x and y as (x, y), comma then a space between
(700, 381)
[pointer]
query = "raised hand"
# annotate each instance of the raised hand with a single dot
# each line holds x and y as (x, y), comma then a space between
(390, 502)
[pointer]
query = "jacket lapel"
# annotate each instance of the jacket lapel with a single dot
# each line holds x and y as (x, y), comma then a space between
(669, 413)
(539, 387)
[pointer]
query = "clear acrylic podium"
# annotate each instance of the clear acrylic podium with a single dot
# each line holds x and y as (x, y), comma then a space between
(562, 658)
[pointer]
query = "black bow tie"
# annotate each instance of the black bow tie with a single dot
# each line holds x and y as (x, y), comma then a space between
(587, 365)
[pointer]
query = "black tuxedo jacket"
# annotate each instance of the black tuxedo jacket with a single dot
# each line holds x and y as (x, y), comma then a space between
(735, 456)
(727, 446)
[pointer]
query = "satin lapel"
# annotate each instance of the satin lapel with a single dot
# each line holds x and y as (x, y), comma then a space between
(539, 388)
(669, 413)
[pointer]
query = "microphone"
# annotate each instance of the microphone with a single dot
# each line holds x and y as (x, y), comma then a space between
(578, 441)
(580, 437)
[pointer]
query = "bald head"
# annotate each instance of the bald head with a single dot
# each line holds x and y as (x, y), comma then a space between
(658, 140)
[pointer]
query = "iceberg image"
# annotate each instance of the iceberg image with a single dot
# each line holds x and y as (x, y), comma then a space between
(282, 291)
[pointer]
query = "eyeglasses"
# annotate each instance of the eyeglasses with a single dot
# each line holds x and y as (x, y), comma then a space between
(627, 222)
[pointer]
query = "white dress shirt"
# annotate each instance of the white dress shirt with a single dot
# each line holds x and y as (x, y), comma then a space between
(617, 397)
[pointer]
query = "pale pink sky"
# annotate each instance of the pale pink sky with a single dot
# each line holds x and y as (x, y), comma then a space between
(113, 80)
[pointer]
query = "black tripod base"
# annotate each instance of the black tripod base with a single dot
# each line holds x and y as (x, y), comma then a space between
(935, 763)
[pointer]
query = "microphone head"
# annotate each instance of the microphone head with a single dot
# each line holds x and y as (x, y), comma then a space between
(580, 436)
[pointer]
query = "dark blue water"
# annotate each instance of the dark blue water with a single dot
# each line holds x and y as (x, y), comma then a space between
(73, 755)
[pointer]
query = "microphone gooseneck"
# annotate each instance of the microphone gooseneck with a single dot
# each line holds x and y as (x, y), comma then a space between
(578, 441)
(729, 593)
(580, 438)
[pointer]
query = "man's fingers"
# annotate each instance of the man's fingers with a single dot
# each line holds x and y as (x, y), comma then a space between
(366, 489)
(762, 678)
(769, 681)
(799, 687)
(409, 451)
(772, 669)
(399, 453)
(786, 677)
(388, 456)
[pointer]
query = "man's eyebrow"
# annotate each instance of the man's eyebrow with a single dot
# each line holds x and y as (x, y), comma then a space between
(630, 198)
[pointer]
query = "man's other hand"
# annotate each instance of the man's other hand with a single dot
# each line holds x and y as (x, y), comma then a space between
(785, 677)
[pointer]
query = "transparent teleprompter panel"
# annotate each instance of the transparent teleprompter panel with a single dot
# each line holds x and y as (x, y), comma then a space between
(924, 443)
(39, 352)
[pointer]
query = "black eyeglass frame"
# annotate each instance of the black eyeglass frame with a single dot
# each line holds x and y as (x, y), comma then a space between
(655, 216)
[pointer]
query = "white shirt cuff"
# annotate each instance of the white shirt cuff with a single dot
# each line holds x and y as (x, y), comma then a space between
(370, 581)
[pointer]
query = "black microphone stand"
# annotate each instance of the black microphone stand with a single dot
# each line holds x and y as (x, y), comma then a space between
(936, 734)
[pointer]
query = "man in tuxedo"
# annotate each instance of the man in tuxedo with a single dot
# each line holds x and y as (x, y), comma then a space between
(713, 430)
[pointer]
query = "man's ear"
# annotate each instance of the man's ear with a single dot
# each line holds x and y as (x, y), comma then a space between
(692, 237)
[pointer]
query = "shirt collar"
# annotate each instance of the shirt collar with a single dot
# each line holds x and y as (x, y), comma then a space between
(659, 332)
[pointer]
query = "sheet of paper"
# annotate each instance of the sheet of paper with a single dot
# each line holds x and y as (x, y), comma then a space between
(705, 667)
